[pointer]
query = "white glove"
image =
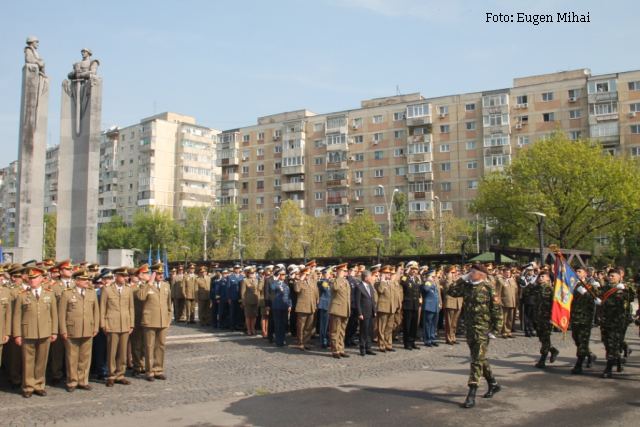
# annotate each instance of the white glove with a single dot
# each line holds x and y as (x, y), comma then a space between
(493, 337)
(581, 290)
(620, 286)
(598, 301)
(595, 284)
(466, 277)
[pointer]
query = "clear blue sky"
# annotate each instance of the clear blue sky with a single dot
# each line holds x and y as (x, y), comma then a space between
(229, 62)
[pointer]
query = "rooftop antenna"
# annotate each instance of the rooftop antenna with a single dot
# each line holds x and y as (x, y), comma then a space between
(398, 90)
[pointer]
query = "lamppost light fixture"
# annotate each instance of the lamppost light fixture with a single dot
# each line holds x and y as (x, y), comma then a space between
(537, 213)
(186, 248)
(377, 241)
(304, 244)
(241, 247)
(463, 237)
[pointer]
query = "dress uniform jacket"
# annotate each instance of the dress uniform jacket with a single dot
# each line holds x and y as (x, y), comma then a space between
(340, 304)
(189, 286)
(398, 292)
(261, 293)
(202, 288)
(411, 291)
(233, 286)
(156, 309)
(249, 291)
(508, 292)
(177, 286)
(387, 297)
(449, 301)
(307, 296)
(78, 317)
(325, 294)
(5, 314)
(117, 312)
(35, 319)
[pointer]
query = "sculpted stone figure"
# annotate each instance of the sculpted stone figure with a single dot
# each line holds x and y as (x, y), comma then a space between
(78, 87)
(31, 54)
(86, 68)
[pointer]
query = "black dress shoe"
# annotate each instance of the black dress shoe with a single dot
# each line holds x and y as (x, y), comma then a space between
(428, 345)
(27, 394)
(362, 353)
(391, 349)
(435, 344)
(371, 353)
(336, 355)
(101, 377)
(408, 347)
(40, 393)
(414, 346)
(382, 350)
(56, 381)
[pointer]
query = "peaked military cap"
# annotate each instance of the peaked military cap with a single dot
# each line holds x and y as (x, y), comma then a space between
(81, 273)
(144, 268)
(157, 268)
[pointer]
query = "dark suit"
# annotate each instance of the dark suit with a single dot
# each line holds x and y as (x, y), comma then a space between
(410, 308)
(365, 307)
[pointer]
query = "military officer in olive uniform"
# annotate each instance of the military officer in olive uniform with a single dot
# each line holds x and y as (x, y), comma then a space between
(13, 352)
(339, 310)
(387, 308)
(117, 316)
(249, 299)
(78, 320)
(395, 282)
(306, 306)
(57, 352)
(138, 277)
(35, 327)
(507, 291)
(452, 306)
(189, 289)
(6, 308)
(177, 289)
(202, 284)
(411, 302)
(156, 318)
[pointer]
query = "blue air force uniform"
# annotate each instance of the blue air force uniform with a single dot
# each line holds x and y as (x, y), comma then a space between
(223, 306)
(430, 310)
(323, 308)
(233, 293)
(280, 307)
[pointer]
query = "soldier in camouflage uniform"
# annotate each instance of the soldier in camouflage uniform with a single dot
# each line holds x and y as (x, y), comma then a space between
(625, 345)
(585, 298)
(482, 314)
(542, 292)
(616, 298)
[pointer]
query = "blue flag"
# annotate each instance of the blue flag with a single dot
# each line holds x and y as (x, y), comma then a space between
(158, 255)
(149, 260)
(166, 265)
(1, 252)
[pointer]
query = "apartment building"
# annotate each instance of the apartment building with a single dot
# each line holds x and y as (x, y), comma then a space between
(51, 179)
(432, 149)
(8, 189)
(165, 161)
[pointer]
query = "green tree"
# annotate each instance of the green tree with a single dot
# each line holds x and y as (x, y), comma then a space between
(582, 192)
(356, 237)
(191, 232)
(224, 235)
(156, 228)
(255, 235)
(402, 241)
(115, 235)
(288, 231)
(427, 233)
(51, 224)
(320, 232)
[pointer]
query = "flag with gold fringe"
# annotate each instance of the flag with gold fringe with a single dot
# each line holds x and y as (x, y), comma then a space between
(565, 282)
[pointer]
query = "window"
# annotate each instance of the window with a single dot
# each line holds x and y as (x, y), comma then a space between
(318, 160)
(260, 136)
(634, 85)
(495, 100)
(445, 148)
(602, 87)
(379, 209)
(359, 193)
(471, 126)
(277, 183)
(260, 151)
(336, 122)
(472, 165)
(548, 117)
(470, 107)
(610, 107)
(245, 202)
(317, 127)
(319, 143)
(419, 206)
(260, 200)
(377, 136)
(245, 138)
(358, 174)
(445, 167)
(378, 155)
(523, 120)
(377, 119)
(398, 116)
(444, 110)
(605, 129)
(379, 191)
(130, 186)
(277, 133)
(130, 161)
(357, 122)
(523, 140)
(318, 213)
(445, 186)
(260, 168)
(634, 108)
(471, 145)
(131, 147)
(245, 154)
(574, 93)
(399, 171)
(398, 153)
(548, 96)
(420, 168)
(379, 173)
(340, 138)
(574, 136)
(522, 99)
(635, 151)
(358, 139)
(574, 114)
(472, 185)
(121, 162)
(418, 110)
(498, 160)
(260, 184)
(635, 129)
(419, 148)
(319, 196)
(444, 129)
(277, 149)
(447, 206)
(359, 157)
(495, 120)
(318, 178)
(398, 134)
(277, 166)
(245, 169)
(293, 161)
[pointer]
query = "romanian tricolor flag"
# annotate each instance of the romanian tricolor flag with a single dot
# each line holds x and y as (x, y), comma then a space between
(566, 281)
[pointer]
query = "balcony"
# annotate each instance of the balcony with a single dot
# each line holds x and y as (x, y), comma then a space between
(293, 186)
(604, 96)
(229, 192)
(338, 183)
(230, 177)
(420, 195)
(595, 119)
(341, 219)
(419, 138)
(292, 152)
(340, 200)
(337, 165)
(419, 121)
(491, 130)
(337, 147)
(495, 151)
(340, 129)
(422, 176)
(146, 148)
(12, 190)
(294, 135)
(293, 170)
(497, 109)
(299, 203)
(420, 158)
(230, 161)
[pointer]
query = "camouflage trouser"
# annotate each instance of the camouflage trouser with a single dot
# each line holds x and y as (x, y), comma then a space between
(479, 363)
(612, 339)
(581, 335)
(544, 329)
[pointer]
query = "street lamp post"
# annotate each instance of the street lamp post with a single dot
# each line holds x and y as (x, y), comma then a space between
(186, 255)
(205, 220)
(540, 236)
(378, 242)
(440, 222)
(305, 246)
(388, 210)
(241, 250)
(464, 242)
(135, 251)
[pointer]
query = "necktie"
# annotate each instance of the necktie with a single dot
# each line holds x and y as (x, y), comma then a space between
(120, 290)
(82, 293)
(158, 285)
(37, 295)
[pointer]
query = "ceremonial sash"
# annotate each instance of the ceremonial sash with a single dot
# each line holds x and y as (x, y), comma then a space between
(609, 293)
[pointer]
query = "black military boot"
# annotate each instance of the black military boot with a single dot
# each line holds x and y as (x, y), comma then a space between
(494, 387)
(621, 362)
(591, 359)
(471, 397)
(627, 351)
(541, 362)
(554, 353)
(607, 371)
(578, 368)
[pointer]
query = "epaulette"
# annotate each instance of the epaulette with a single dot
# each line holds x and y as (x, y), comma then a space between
(404, 278)
(69, 289)
(49, 290)
(23, 291)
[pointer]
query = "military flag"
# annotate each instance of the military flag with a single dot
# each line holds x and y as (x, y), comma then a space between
(166, 264)
(566, 281)
(149, 261)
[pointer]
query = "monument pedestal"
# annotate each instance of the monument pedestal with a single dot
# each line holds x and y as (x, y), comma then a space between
(34, 113)
(79, 161)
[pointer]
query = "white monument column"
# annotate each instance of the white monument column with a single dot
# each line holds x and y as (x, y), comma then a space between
(79, 161)
(34, 112)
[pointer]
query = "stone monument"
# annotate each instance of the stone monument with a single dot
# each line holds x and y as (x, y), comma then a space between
(79, 158)
(34, 113)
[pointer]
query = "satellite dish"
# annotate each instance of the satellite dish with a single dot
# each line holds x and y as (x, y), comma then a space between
(587, 72)
(113, 127)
